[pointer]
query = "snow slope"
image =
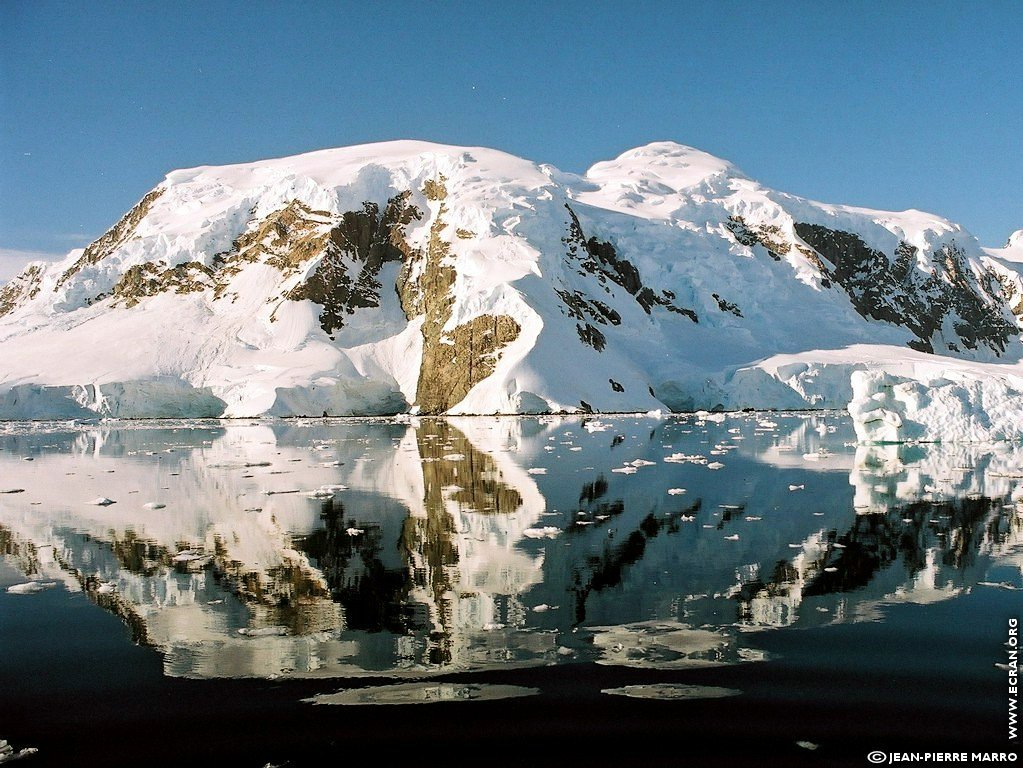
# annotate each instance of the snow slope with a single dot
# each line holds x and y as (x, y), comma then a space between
(416, 277)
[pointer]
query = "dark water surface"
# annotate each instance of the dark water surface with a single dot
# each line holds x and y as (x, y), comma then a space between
(742, 589)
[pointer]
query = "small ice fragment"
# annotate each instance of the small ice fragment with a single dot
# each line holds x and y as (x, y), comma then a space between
(12, 490)
(7, 753)
(153, 505)
(537, 471)
(547, 532)
(541, 608)
(796, 487)
(676, 491)
(733, 537)
(101, 501)
(625, 470)
(263, 631)
(355, 531)
(830, 569)
(30, 587)
(715, 465)
(807, 745)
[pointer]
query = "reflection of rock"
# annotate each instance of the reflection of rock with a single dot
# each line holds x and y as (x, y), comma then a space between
(408, 548)
(917, 552)
(606, 570)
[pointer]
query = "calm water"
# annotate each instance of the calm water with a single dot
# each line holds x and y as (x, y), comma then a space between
(742, 589)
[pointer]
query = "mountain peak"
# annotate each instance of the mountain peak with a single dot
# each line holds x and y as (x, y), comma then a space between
(665, 164)
(425, 278)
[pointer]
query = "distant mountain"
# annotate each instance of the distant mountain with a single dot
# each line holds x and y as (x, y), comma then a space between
(416, 277)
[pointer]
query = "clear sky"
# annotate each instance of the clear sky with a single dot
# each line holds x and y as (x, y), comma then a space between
(884, 104)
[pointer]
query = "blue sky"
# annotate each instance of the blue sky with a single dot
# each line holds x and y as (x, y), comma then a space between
(888, 105)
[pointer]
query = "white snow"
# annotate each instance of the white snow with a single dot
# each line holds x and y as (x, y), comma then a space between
(951, 406)
(771, 332)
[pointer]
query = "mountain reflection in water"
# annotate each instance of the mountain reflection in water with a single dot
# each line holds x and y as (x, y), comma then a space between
(412, 547)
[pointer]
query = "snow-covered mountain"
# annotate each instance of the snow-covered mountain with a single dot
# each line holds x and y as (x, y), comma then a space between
(409, 276)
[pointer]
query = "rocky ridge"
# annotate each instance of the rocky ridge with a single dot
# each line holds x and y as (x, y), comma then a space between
(417, 277)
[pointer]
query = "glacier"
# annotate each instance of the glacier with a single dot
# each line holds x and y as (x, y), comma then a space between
(420, 278)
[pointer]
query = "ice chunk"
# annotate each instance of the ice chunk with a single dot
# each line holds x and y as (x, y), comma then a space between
(956, 406)
(31, 587)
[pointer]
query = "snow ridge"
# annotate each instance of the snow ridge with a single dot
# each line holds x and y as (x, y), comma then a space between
(417, 277)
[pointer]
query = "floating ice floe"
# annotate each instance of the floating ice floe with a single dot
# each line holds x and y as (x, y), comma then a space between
(546, 532)
(263, 631)
(715, 465)
(422, 693)
(626, 470)
(537, 471)
(671, 691)
(7, 753)
(676, 491)
(31, 587)
(354, 531)
(326, 491)
(796, 487)
(192, 561)
(153, 505)
(683, 458)
(955, 405)
(102, 501)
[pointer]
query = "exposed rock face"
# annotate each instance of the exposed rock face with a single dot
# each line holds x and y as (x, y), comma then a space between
(285, 239)
(150, 280)
(114, 237)
(893, 290)
(589, 256)
(454, 360)
(22, 288)
(357, 247)
(663, 279)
